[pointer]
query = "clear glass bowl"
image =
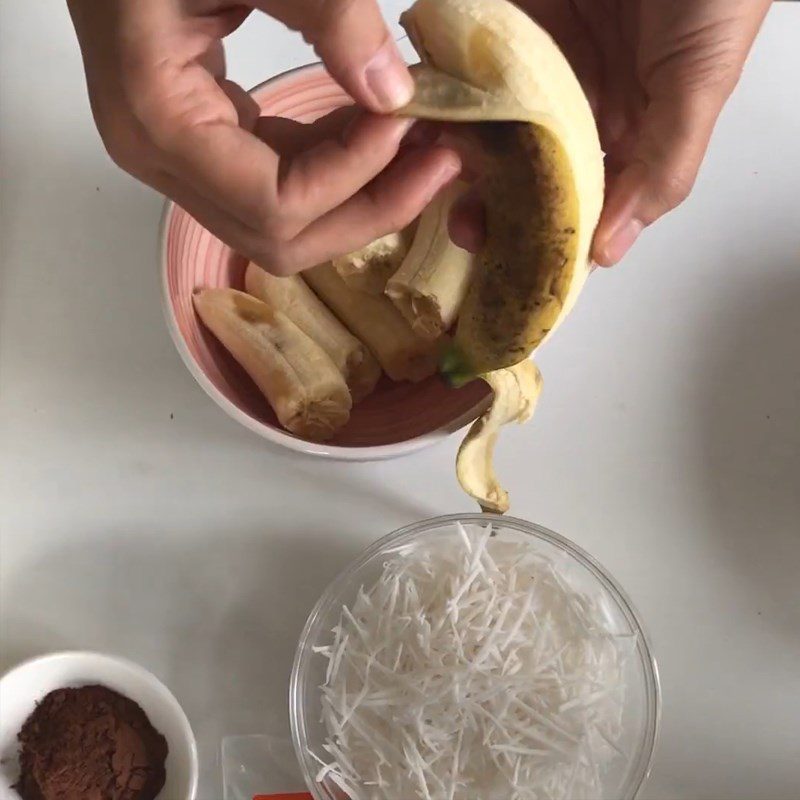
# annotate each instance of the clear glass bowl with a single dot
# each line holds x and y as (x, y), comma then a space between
(643, 695)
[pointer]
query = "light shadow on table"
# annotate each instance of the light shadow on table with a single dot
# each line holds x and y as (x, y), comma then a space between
(216, 614)
(751, 443)
(742, 436)
(87, 314)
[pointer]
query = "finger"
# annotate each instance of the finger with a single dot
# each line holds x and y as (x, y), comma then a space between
(288, 137)
(315, 181)
(203, 148)
(670, 146)
(389, 203)
(351, 38)
(466, 141)
(217, 20)
(244, 103)
(618, 97)
(240, 173)
(224, 164)
(214, 219)
(562, 20)
(467, 223)
(213, 59)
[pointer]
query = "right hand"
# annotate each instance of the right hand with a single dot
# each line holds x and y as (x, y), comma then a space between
(284, 195)
(657, 74)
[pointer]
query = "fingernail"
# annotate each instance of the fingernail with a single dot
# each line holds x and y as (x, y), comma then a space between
(405, 125)
(401, 127)
(445, 174)
(622, 240)
(388, 79)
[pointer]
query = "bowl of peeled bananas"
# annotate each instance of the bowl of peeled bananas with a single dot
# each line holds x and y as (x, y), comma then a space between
(333, 362)
(383, 351)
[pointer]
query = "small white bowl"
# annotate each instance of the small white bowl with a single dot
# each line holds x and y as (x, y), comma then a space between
(25, 685)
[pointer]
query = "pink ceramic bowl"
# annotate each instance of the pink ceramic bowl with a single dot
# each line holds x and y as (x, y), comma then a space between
(397, 419)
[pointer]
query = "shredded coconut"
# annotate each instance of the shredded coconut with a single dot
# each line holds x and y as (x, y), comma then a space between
(472, 669)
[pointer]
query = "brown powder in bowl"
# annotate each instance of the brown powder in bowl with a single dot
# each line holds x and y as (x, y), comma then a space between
(90, 743)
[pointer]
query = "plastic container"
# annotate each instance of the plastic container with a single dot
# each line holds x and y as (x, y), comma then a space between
(643, 697)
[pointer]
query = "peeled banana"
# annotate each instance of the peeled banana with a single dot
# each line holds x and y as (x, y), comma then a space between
(516, 392)
(292, 297)
(403, 355)
(369, 268)
(487, 61)
(302, 384)
(433, 279)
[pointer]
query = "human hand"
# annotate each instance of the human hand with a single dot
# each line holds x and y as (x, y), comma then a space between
(657, 74)
(282, 194)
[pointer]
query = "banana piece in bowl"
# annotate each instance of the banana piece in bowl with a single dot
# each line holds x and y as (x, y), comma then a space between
(435, 275)
(369, 268)
(294, 298)
(403, 355)
(305, 388)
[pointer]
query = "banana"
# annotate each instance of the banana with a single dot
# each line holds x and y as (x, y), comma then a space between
(435, 275)
(292, 297)
(487, 61)
(403, 355)
(516, 392)
(302, 384)
(369, 268)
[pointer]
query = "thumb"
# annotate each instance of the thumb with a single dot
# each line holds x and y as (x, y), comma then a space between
(659, 174)
(351, 38)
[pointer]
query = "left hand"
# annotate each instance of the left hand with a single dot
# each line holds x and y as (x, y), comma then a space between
(284, 195)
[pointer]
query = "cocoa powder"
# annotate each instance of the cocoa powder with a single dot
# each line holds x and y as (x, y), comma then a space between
(90, 743)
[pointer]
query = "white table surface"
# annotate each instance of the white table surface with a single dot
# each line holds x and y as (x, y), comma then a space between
(138, 519)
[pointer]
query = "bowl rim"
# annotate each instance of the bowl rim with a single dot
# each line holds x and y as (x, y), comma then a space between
(103, 660)
(274, 434)
(640, 768)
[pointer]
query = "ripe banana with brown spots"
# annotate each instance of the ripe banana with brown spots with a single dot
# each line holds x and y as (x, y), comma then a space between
(487, 62)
